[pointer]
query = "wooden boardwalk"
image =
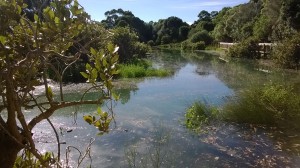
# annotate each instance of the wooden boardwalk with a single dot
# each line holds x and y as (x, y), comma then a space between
(264, 48)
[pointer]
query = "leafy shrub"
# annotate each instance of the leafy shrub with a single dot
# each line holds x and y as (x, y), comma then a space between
(186, 45)
(151, 43)
(287, 53)
(248, 48)
(271, 104)
(166, 39)
(130, 47)
(201, 36)
(140, 49)
(198, 46)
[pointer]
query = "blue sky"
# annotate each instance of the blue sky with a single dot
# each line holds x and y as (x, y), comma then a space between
(153, 10)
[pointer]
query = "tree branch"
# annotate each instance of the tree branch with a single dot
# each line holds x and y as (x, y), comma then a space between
(61, 105)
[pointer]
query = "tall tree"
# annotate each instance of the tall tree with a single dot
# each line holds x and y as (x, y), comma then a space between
(120, 18)
(168, 30)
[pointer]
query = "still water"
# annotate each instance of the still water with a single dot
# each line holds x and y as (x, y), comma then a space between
(149, 129)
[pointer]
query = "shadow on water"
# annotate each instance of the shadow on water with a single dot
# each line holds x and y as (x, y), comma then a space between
(149, 130)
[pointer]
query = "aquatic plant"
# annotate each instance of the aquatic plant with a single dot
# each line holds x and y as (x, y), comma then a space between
(200, 114)
(271, 104)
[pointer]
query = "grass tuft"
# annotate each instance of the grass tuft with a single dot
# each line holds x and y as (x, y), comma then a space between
(198, 115)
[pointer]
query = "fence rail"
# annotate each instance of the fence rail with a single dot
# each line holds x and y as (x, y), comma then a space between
(264, 48)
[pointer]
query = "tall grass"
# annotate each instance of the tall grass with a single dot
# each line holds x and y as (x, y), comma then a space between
(271, 104)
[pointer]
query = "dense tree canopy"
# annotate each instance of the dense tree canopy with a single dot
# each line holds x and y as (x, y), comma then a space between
(120, 18)
(170, 30)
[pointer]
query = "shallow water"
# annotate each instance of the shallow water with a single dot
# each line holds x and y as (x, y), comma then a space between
(149, 130)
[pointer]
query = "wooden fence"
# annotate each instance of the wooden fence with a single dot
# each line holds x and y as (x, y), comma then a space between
(264, 48)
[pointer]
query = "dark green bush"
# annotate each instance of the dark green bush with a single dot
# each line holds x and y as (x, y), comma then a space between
(130, 47)
(201, 36)
(248, 48)
(186, 45)
(151, 43)
(166, 39)
(198, 46)
(287, 53)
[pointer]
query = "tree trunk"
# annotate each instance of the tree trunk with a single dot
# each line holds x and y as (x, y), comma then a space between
(8, 151)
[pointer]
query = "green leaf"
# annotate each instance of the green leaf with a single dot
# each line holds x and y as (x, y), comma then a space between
(53, 4)
(56, 20)
(99, 110)
(97, 64)
(3, 40)
(88, 67)
(97, 124)
(19, 9)
(88, 119)
(115, 96)
(78, 11)
(94, 74)
(115, 58)
(102, 76)
(104, 62)
(93, 51)
(104, 115)
(50, 92)
(110, 47)
(24, 5)
(36, 17)
(85, 75)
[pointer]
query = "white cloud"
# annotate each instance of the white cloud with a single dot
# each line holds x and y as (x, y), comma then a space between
(205, 4)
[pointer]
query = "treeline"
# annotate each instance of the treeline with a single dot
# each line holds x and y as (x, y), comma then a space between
(273, 21)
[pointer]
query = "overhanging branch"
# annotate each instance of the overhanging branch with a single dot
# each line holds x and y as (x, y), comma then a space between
(53, 108)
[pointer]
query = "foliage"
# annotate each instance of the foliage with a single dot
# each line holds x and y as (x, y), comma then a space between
(201, 36)
(291, 12)
(198, 115)
(204, 16)
(130, 47)
(141, 68)
(246, 49)
(271, 104)
(170, 30)
(27, 49)
(186, 45)
(120, 18)
(287, 53)
(28, 160)
(237, 23)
